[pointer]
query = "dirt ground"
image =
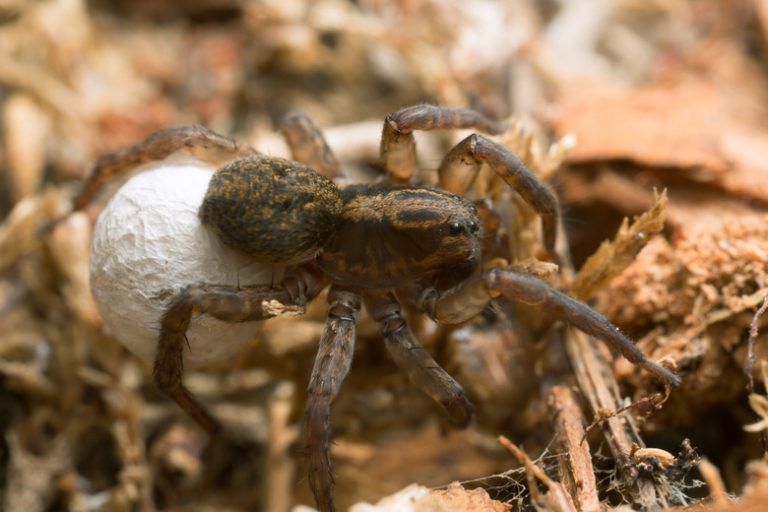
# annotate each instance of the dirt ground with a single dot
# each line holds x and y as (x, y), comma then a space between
(649, 119)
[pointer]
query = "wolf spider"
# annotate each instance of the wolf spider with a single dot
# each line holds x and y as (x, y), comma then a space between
(378, 244)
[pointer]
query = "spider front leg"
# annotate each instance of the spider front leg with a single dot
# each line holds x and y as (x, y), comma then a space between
(196, 140)
(415, 361)
(332, 363)
(473, 295)
(462, 163)
(398, 147)
(229, 304)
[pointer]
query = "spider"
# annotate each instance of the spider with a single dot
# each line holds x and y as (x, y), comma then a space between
(377, 245)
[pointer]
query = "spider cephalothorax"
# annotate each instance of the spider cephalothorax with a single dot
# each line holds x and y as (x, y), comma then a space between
(390, 236)
(373, 244)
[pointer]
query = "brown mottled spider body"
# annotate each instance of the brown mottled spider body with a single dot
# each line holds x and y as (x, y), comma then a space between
(389, 237)
(273, 209)
(371, 243)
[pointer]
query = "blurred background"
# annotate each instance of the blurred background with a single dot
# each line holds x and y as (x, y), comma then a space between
(671, 94)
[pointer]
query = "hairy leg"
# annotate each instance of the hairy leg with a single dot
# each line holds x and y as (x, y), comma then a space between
(332, 363)
(460, 167)
(229, 304)
(398, 147)
(473, 295)
(415, 361)
(197, 141)
(307, 144)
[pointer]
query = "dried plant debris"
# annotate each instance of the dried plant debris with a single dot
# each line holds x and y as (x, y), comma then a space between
(415, 498)
(697, 292)
(759, 404)
(753, 497)
(576, 469)
(718, 138)
(612, 258)
(555, 498)
(631, 95)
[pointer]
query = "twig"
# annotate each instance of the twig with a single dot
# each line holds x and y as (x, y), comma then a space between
(556, 499)
(644, 406)
(576, 465)
(599, 387)
(42, 85)
(711, 475)
(280, 464)
(750, 362)
(753, 332)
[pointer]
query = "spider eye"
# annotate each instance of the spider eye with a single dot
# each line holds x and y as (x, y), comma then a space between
(473, 227)
(456, 229)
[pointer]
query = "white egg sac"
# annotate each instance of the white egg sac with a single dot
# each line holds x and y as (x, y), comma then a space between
(148, 244)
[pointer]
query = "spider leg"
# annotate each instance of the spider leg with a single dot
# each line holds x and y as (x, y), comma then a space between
(307, 144)
(334, 357)
(473, 295)
(415, 361)
(229, 304)
(196, 140)
(398, 147)
(460, 167)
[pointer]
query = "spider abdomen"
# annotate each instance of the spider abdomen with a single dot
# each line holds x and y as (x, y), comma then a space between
(276, 210)
(389, 237)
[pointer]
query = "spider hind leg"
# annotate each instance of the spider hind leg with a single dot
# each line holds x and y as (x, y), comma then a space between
(195, 140)
(308, 145)
(332, 363)
(228, 304)
(416, 362)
